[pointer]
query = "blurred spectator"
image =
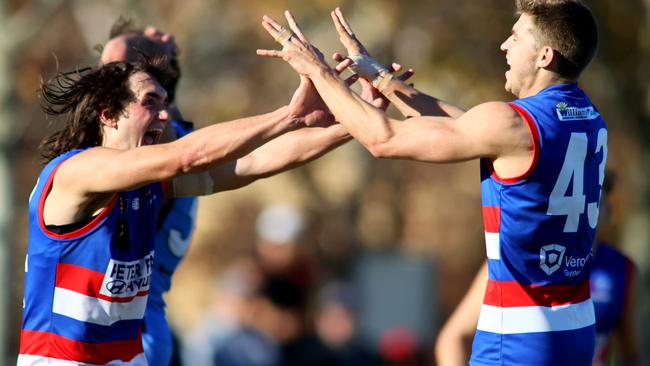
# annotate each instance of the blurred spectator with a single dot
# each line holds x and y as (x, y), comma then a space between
(274, 319)
(398, 305)
(398, 346)
(336, 327)
(278, 248)
(234, 290)
(260, 313)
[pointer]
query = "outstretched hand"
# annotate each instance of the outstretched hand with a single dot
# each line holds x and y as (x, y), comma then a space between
(296, 50)
(355, 48)
(306, 104)
(346, 35)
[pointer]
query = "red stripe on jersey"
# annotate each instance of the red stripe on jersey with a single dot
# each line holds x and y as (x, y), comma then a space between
(51, 345)
(79, 232)
(492, 219)
(511, 294)
(534, 136)
(86, 281)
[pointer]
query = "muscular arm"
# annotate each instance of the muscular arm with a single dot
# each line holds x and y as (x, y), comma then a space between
(412, 102)
(408, 100)
(450, 348)
(283, 153)
(103, 170)
(491, 130)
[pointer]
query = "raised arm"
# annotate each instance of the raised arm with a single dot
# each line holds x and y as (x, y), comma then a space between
(198, 151)
(491, 130)
(280, 154)
(406, 98)
(283, 153)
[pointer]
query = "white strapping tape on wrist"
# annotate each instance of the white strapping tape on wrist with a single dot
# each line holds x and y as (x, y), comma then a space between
(366, 66)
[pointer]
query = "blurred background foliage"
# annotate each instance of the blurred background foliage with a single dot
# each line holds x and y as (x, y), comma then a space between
(354, 203)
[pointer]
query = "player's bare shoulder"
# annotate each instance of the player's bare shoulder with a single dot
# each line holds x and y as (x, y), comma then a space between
(498, 127)
(499, 114)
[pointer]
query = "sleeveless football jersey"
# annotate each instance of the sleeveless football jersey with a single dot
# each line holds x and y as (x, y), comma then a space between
(175, 227)
(539, 229)
(611, 276)
(86, 290)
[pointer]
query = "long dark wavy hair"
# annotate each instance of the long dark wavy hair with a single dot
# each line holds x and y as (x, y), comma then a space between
(82, 94)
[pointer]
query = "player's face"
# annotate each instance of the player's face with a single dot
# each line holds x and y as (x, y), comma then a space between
(144, 118)
(521, 54)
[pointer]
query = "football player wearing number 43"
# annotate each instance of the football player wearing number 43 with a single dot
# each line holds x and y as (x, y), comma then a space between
(542, 167)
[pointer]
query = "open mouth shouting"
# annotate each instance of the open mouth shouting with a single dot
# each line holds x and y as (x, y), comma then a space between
(152, 136)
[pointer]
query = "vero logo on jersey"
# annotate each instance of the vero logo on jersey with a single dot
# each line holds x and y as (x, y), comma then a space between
(550, 258)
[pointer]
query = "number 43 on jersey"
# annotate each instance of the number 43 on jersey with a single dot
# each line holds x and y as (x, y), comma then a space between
(572, 204)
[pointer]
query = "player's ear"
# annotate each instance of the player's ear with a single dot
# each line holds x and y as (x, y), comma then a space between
(546, 57)
(107, 119)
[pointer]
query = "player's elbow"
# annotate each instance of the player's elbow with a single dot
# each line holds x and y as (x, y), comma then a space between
(379, 143)
(191, 160)
(379, 148)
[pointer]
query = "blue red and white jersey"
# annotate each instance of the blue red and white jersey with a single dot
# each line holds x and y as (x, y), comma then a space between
(86, 290)
(611, 276)
(539, 229)
(175, 228)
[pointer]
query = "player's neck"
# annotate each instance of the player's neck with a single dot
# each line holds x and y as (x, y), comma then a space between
(542, 80)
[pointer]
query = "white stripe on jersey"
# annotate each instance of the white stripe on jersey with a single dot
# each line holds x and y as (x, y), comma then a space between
(492, 246)
(532, 319)
(33, 360)
(97, 311)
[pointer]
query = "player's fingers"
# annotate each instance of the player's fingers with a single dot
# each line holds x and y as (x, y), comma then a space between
(294, 26)
(269, 53)
(406, 75)
(280, 35)
(338, 57)
(343, 65)
(275, 25)
(344, 23)
(151, 31)
(270, 29)
(339, 27)
(167, 38)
